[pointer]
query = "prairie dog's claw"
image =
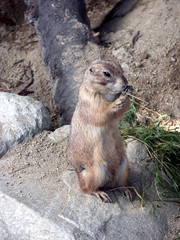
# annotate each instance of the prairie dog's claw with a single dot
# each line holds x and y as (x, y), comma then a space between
(128, 194)
(102, 195)
(128, 89)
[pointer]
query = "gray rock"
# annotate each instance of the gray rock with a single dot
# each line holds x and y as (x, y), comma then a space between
(136, 151)
(60, 211)
(20, 119)
(80, 216)
(118, 220)
(60, 134)
(22, 223)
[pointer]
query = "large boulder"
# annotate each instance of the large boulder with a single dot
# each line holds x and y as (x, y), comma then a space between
(60, 134)
(20, 119)
(40, 198)
(118, 220)
(136, 151)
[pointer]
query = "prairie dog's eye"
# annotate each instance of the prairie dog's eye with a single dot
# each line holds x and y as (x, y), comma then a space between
(107, 74)
(91, 70)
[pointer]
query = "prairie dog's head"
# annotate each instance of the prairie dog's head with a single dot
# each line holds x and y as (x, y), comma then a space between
(106, 79)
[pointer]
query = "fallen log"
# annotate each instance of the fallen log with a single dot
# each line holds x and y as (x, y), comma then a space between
(65, 35)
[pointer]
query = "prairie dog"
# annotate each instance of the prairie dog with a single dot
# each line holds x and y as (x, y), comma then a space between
(95, 146)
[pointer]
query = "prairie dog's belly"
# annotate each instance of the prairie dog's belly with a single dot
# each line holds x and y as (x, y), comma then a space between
(108, 152)
(97, 146)
(106, 142)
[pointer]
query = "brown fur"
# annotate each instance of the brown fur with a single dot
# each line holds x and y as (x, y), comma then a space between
(95, 146)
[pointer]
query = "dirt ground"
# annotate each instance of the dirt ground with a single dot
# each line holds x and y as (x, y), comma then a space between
(152, 69)
(32, 171)
(21, 63)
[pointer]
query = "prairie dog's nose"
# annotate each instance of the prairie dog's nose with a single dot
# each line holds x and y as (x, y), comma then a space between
(123, 88)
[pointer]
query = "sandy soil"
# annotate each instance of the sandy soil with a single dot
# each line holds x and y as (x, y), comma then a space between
(152, 63)
(32, 172)
(21, 64)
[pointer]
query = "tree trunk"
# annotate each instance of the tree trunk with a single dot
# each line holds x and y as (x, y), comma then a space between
(64, 31)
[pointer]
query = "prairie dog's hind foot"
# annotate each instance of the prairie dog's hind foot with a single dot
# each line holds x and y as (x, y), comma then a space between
(102, 195)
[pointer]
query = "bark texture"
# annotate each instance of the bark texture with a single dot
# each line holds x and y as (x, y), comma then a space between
(64, 31)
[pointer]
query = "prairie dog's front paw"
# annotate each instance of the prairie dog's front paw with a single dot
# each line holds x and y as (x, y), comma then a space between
(128, 89)
(120, 102)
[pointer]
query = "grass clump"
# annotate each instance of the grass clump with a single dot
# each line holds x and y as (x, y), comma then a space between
(163, 147)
